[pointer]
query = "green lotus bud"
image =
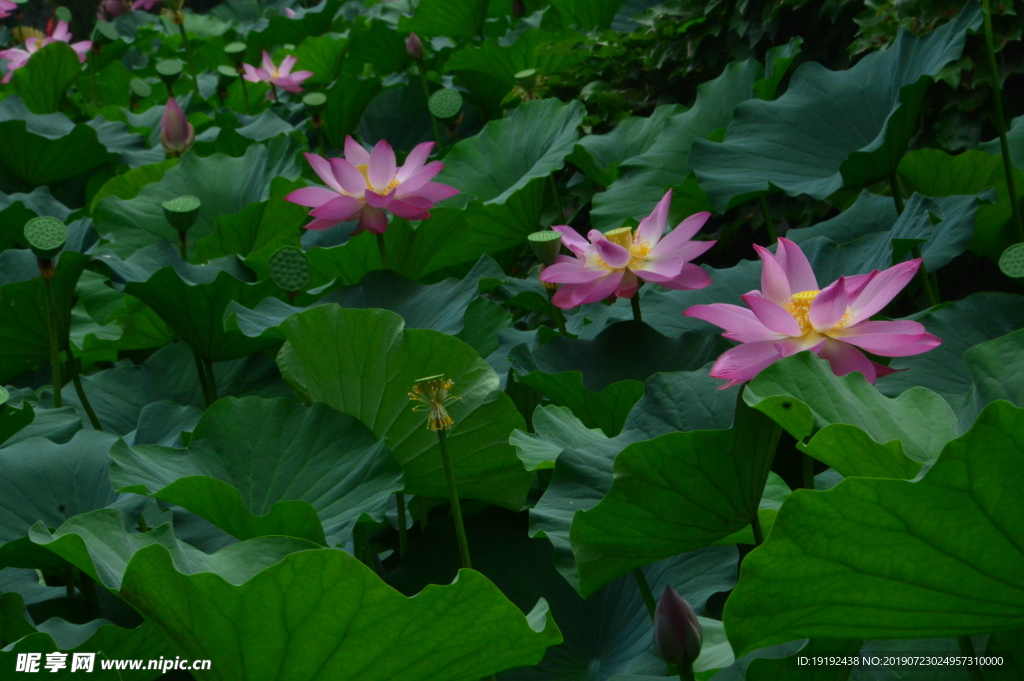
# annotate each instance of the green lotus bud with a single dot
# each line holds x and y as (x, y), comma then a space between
(169, 71)
(445, 104)
(235, 52)
(1011, 262)
(526, 79)
(677, 632)
(46, 236)
(182, 212)
(546, 246)
(290, 268)
(414, 47)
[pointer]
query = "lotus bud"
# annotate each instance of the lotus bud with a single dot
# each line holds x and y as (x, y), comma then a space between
(518, 8)
(414, 47)
(176, 133)
(677, 632)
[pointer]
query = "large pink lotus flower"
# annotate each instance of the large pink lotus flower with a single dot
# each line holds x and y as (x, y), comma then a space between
(613, 263)
(176, 133)
(17, 57)
(278, 76)
(790, 314)
(364, 185)
(7, 8)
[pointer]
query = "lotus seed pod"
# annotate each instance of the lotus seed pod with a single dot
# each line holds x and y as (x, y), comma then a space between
(235, 52)
(46, 236)
(290, 268)
(526, 79)
(545, 246)
(445, 104)
(314, 102)
(140, 89)
(182, 212)
(414, 47)
(226, 73)
(105, 32)
(1011, 262)
(63, 14)
(677, 632)
(169, 71)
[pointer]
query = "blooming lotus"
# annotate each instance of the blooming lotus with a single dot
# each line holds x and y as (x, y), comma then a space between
(278, 76)
(17, 57)
(176, 133)
(364, 186)
(613, 263)
(7, 8)
(790, 314)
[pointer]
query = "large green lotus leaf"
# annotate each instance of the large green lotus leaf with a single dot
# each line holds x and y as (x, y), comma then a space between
(852, 452)
(961, 325)
(643, 179)
(803, 395)
(673, 494)
(875, 558)
(106, 321)
(869, 213)
(108, 642)
(831, 129)
(451, 18)
(43, 83)
(14, 419)
(48, 482)
(599, 156)
(1015, 140)
(583, 475)
(120, 394)
(586, 15)
(45, 149)
(607, 633)
(933, 172)
(441, 306)
(278, 609)
(399, 115)
(224, 184)
(56, 425)
(322, 55)
(192, 299)
(24, 330)
(605, 409)
(127, 186)
(488, 69)
(364, 363)
(256, 468)
(532, 142)
(347, 100)
(554, 430)
(995, 368)
(283, 30)
(377, 43)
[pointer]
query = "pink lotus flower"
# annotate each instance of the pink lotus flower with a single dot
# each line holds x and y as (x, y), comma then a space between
(289, 12)
(16, 57)
(176, 133)
(364, 185)
(6, 8)
(612, 263)
(145, 5)
(111, 9)
(789, 314)
(278, 76)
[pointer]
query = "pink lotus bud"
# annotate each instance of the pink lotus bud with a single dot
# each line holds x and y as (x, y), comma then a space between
(677, 632)
(110, 9)
(414, 47)
(176, 133)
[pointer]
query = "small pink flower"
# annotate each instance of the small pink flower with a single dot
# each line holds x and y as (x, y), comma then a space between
(16, 57)
(789, 314)
(279, 76)
(145, 5)
(110, 9)
(365, 185)
(176, 133)
(612, 263)
(7, 8)
(289, 12)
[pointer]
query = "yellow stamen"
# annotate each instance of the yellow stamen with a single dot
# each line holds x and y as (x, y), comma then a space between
(365, 170)
(799, 306)
(638, 250)
(432, 393)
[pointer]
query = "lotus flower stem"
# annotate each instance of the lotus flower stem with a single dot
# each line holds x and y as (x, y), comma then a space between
(558, 200)
(686, 674)
(773, 233)
(453, 494)
(930, 289)
(183, 246)
(557, 312)
(88, 588)
(424, 518)
(645, 591)
(188, 56)
(755, 525)
(69, 581)
(635, 303)
(245, 90)
(965, 642)
(51, 322)
(997, 98)
(383, 248)
(897, 198)
(808, 470)
(403, 535)
(92, 78)
(77, 380)
(209, 393)
(433, 119)
(211, 380)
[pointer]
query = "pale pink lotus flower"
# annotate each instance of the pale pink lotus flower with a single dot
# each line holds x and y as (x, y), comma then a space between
(289, 12)
(7, 8)
(613, 263)
(176, 133)
(17, 57)
(365, 186)
(790, 314)
(278, 76)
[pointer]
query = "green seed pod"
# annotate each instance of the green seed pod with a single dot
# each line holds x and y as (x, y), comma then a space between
(235, 52)
(63, 14)
(445, 104)
(140, 89)
(1011, 262)
(545, 246)
(46, 236)
(290, 268)
(169, 71)
(315, 102)
(526, 79)
(105, 32)
(226, 73)
(182, 212)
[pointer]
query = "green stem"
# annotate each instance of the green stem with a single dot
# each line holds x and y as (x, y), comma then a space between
(558, 200)
(203, 382)
(635, 303)
(141, 522)
(1001, 121)
(69, 581)
(403, 532)
(930, 291)
(645, 591)
(188, 56)
(686, 673)
(808, 470)
(383, 248)
(51, 322)
(211, 380)
(755, 525)
(88, 589)
(967, 650)
(245, 92)
(77, 380)
(769, 224)
(424, 519)
(92, 77)
(183, 245)
(557, 313)
(433, 119)
(894, 185)
(453, 494)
